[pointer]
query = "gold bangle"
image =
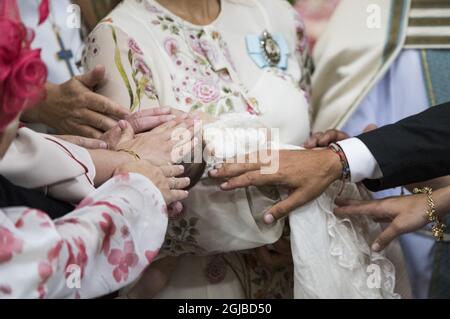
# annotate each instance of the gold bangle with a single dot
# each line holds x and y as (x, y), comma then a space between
(132, 153)
(439, 227)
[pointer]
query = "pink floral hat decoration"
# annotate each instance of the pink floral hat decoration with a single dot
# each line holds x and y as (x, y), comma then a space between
(22, 72)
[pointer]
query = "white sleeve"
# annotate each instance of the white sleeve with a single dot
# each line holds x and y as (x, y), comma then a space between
(362, 163)
(39, 161)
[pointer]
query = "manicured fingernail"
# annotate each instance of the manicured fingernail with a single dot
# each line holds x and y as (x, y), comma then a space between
(171, 117)
(269, 219)
(103, 145)
(224, 185)
(218, 166)
(187, 180)
(181, 167)
(213, 172)
(376, 247)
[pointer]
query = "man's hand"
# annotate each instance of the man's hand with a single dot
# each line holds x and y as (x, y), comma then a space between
(72, 108)
(306, 173)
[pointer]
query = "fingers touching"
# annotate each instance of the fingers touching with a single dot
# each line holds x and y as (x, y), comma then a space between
(149, 119)
(172, 170)
(324, 139)
(376, 210)
(93, 77)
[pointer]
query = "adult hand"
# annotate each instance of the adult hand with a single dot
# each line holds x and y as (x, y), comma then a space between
(72, 108)
(403, 214)
(139, 122)
(164, 178)
(168, 143)
(306, 173)
(122, 132)
(276, 257)
(321, 139)
(89, 143)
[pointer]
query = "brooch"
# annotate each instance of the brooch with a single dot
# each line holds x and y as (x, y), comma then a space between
(268, 50)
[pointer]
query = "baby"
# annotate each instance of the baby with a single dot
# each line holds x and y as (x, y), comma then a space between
(331, 256)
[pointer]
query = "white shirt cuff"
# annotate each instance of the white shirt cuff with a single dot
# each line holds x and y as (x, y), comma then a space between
(362, 163)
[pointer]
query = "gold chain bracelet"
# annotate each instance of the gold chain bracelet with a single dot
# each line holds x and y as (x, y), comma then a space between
(439, 227)
(132, 153)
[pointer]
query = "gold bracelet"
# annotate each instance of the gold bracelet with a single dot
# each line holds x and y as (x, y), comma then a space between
(439, 227)
(132, 153)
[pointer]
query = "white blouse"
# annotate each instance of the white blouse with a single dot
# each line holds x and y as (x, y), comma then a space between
(153, 57)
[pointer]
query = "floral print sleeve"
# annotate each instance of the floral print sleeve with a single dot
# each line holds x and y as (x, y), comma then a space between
(130, 80)
(104, 244)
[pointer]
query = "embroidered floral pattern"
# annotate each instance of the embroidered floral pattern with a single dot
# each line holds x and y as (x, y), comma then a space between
(203, 59)
(181, 236)
(167, 24)
(141, 76)
(216, 270)
(257, 281)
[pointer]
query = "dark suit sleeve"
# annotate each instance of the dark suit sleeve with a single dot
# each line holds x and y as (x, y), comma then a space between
(415, 149)
(12, 196)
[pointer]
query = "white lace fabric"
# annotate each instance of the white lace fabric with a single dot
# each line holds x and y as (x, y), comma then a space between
(332, 256)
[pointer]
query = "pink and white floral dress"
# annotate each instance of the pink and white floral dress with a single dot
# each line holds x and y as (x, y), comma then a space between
(104, 244)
